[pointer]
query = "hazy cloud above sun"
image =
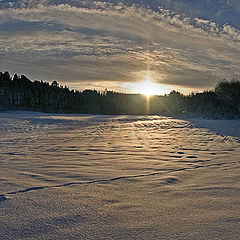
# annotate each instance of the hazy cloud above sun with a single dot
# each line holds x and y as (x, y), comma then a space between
(96, 44)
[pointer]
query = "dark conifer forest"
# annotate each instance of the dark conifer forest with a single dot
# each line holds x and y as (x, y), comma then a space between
(20, 93)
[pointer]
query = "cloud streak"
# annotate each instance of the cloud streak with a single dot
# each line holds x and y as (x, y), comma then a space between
(103, 44)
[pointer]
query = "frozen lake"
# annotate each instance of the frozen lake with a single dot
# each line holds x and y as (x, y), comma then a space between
(116, 177)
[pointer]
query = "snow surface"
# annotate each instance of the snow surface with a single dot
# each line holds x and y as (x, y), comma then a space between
(118, 177)
(223, 127)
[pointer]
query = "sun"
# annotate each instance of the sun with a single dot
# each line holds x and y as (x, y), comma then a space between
(147, 87)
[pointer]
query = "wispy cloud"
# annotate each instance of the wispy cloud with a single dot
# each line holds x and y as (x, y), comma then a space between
(107, 44)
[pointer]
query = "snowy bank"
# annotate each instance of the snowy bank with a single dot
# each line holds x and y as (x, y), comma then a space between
(221, 127)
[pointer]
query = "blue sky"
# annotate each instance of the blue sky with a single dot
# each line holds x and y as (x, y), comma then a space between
(186, 45)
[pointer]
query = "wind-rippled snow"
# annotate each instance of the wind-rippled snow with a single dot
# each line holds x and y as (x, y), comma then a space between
(94, 147)
(47, 152)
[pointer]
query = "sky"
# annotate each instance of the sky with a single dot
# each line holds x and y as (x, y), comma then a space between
(186, 45)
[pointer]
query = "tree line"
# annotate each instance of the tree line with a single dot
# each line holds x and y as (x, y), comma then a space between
(20, 93)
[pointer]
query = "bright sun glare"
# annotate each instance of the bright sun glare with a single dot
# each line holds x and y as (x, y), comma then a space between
(147, 87)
